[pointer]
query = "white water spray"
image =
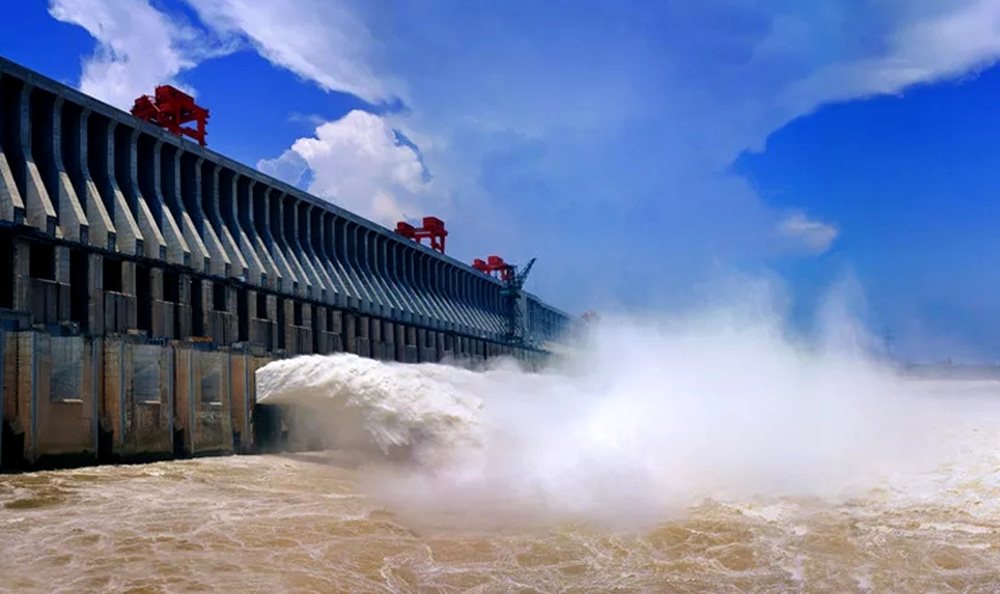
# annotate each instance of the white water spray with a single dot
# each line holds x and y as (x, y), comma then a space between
(643, 417)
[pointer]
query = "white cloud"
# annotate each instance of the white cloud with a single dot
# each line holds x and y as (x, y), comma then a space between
(358, 163)
(290, 167)
(933, 41)
(815, 236)
(138, 47)
(320, 40)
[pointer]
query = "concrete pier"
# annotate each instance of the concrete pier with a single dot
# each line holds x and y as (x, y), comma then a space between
(144, 279)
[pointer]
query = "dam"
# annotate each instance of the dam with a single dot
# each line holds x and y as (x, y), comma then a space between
(145, 278)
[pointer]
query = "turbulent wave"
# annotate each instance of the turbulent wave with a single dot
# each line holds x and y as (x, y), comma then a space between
(418, 412)
(643, 417)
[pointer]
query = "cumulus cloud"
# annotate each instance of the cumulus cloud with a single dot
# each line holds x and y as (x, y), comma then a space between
(815, 236)
(320, 40)
(289, 167)
(359, 163)
(138, 47)
(932, 41)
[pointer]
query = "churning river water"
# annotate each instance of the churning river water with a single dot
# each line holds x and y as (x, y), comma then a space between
(733, 463)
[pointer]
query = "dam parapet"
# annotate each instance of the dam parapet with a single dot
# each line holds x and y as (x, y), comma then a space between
(145, 278)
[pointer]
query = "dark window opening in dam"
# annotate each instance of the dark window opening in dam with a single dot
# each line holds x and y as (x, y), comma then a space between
(261, 307)
(242, 315)
(315, 329)
(297, 313)
(7, 268)
(144, 297)
(172, 294)
(79, 289)
(197, 308)
(42, 261)
(171, 286)
(281, 324)
(219, 297)
(113, 275)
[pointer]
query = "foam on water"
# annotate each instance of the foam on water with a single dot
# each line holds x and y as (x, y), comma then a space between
(377, 409)
(643, 418)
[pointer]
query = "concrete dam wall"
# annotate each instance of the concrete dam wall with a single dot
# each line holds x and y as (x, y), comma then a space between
(145, 278)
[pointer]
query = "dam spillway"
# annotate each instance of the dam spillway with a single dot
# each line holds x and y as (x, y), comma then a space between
(144, 279)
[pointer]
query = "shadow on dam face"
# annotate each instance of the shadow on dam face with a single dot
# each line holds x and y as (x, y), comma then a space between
(12, 446)
(269, 433)
(285, 428)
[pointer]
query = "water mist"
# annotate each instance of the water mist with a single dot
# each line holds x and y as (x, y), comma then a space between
(640, 417)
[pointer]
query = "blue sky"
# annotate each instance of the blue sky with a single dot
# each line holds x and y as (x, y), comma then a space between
(642, 150)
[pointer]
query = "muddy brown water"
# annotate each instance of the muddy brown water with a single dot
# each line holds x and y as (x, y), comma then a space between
(304, 523)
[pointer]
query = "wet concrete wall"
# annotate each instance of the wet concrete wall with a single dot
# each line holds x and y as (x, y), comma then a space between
(68, 400)
(71, 400)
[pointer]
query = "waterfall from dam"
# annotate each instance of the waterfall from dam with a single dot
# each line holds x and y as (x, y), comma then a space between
(641, 421)
(717, 452)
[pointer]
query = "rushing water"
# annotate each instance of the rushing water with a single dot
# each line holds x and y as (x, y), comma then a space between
(715, 457)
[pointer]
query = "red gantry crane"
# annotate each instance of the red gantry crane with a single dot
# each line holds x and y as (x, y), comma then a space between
(433, 229)
(494, 266)
(171, 108)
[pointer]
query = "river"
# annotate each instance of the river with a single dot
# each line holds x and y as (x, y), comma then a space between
(799, 473)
